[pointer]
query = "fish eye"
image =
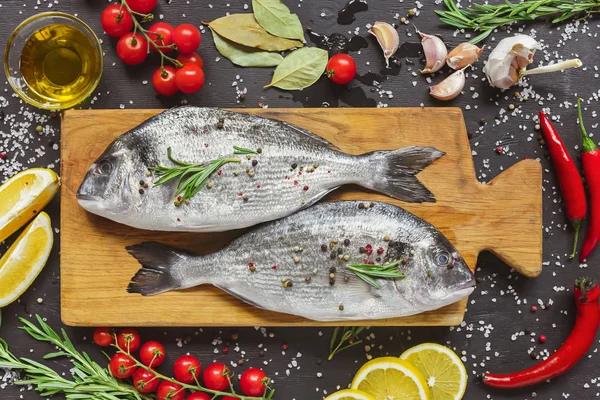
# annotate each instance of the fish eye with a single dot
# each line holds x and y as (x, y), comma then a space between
(104, 167)
(442, 258)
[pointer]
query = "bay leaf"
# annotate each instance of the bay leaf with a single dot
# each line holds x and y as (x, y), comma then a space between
(277, 19)
(300, 69)
(245, 56)
(243, 29)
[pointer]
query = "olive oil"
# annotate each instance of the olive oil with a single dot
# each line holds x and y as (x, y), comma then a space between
(60, 63)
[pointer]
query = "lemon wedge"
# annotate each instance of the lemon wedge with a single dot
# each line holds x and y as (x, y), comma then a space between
(25, 259)
(390, 378)
(23, 197)
(443, 370)
(350, 394)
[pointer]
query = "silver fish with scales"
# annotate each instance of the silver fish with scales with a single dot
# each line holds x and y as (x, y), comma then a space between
(299, 265)
(289, 169)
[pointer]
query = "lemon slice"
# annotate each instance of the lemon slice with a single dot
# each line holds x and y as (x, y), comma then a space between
(25, 259)
(389, 378)
(23, 197)
(444, 371)
(350, 394)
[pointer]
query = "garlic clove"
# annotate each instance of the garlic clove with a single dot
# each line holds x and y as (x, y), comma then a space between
(387, 37)
(463, 55)
(450, 87)
(508, 58)
(435, 52)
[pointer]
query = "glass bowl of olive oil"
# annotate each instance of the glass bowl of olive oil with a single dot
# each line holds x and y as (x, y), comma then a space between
(53, 61)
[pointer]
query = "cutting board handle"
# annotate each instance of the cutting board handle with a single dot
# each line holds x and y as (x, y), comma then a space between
(512, 234)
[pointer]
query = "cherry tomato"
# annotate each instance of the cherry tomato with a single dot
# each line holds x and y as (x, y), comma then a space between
(132, 49)
(216, 377)
(253, 382)
(165, 31)
(341, 69)
(121, 366)
(145, 381)
(163, 81)
(187, 37)
(198, 396)
(142, 6)
(103, 337)
(170, 391)
(129, 340)
(116, 21)
(189, 78)
(193, 58)
(152, 354)
(187, 369)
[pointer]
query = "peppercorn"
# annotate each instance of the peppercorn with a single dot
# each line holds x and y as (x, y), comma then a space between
(331, 282)
(332, 276)
(209, 185)
(319, 361)
(386, 238)
(340, 250)
(377, 259)
(341, 307)
(236, 172)
(235, 336)
(296, 259)
(346, 242)
(261, 353)
(403, 20)
(308, 279)
(287, 283)
(177, 203)
(323, 247)
(187, 201)
(411, 12)
(245, 198)
(511, 107)
(332, 269)
(254, 163)
(252, 268)
(533, 308)
(220, 123)
(371, 205)
(361, 205)
(241, 362)
(533, 356)
(142, 183)
(294, 166)
(361, 250)
(346, 257)
(39, 129)
(251, 173)
(259, 150)
(542, 339)
(346, 277)
(333, 255)
(141, 191)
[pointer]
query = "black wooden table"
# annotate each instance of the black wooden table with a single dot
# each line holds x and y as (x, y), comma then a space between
(493, 333)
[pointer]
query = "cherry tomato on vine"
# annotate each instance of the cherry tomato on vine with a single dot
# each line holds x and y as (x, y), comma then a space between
(121, 366)
(199, 396)
(166, 36)
(252, 382)
(152, 354)
(170, 391)
(163, 81)
(142, 6)
(216, 376)
(187, 37)
(116, 21)
(103, 337)
(145, 381)
(132, 49)
(129, 340)
(187, 369)
(341, 69)
(189, 78)
(193, 58)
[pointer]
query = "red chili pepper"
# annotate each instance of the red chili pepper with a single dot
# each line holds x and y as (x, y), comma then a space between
(569, 178)
(591, 169)
(573, 349)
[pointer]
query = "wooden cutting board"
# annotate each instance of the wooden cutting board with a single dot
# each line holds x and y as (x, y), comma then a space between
(504, 216)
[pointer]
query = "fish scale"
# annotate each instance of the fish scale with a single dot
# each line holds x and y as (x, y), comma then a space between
(435, 274)
(111, 187)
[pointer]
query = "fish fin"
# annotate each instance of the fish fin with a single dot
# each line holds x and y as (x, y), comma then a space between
(156, 275)
(318, 197)
(239, 296)
(311, 135)
(396, 170)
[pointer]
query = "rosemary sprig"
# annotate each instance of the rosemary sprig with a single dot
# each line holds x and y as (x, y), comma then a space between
(244, 151)
(192, 177)
(90, 381)
(487, 17)
(347, 339)
(366, 272)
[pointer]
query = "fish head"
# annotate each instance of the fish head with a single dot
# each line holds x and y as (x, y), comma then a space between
(112, 183)
(440, 271)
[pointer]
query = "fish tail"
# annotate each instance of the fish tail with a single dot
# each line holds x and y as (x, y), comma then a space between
(159, 268)
(394, 172)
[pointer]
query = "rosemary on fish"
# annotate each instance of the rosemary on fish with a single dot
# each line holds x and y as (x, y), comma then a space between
(367, 272)
(343, 338)
(192, 177)
(487, 17)
(243, 151)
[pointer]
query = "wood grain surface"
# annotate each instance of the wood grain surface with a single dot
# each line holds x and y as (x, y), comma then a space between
(504, 216)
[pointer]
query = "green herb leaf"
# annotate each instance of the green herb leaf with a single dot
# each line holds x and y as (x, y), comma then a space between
(276, 18)
(300, 69)
(243, 29)
(245, 56)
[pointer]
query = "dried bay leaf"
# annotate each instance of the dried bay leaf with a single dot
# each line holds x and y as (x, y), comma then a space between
(300, 69)
(277, 19)
(245, 56)
(243, 29)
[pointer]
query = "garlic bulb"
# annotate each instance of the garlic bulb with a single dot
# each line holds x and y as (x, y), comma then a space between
(435, 52)
(387, 37)
(464, 54)
(450, 87)
(508, 62)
